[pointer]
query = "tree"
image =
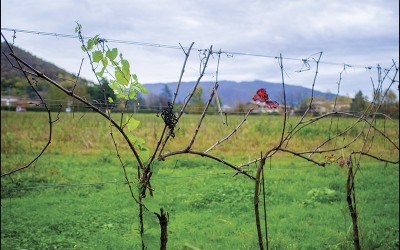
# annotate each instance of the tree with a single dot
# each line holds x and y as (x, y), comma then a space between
(99, 92)
(165, 96)
(390, 105)
(57, 97)
(153, 102)
(196, 104)
(359, 102)
(318, 105)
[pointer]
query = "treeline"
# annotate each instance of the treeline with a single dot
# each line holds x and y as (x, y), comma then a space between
(388, 104)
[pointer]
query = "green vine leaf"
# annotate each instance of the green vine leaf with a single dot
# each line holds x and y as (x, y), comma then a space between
(144, 153)
(122, 95)
(97, 56)
(139, 85)
(135, 79)
(95, 39)
(114, 86)
(143, 89)
(132, 138)
(119, 75)
(132, 123)
(78, 27)
(110, 100)
(100, 73)
(112, 54)
(104, 61)
(139, 142)
(125, 68)
(90, 44)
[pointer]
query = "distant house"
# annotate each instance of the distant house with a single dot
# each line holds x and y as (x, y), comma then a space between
(262, 108)
(341, 105)
(226, 108)
(13, 101)
(9, 100)
(20, 109)
(320, 105)
(326, 106)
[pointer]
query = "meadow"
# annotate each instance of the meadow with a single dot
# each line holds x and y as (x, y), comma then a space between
(74, 196)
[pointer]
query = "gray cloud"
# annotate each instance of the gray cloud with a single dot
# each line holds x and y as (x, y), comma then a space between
(357, 32)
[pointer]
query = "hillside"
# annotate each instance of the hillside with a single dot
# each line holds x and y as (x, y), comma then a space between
(7, 70)
(13, 81)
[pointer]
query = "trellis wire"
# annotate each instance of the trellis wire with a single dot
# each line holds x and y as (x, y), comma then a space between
(166, 46)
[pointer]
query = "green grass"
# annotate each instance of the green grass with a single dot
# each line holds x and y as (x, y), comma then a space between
(88, 132)
(208, 207)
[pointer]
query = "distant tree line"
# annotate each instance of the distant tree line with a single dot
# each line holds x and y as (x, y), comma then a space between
(390, 104)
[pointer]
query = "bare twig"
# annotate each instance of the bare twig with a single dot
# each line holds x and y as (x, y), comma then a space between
(231, 133)
(179, 152)
(202, 116)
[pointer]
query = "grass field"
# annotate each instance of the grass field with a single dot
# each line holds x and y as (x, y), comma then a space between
(75, 197)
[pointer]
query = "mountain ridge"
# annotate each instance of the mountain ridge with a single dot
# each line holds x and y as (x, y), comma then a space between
(231, 92)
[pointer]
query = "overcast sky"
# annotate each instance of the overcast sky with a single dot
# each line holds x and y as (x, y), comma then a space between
(360, 33)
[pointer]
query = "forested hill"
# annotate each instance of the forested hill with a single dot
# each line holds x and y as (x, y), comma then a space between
(13, 81)
(8, 72)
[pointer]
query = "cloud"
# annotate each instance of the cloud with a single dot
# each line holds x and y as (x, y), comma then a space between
(364, 33)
